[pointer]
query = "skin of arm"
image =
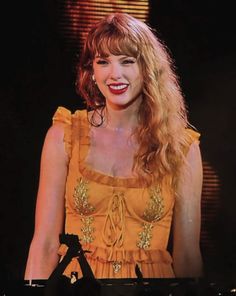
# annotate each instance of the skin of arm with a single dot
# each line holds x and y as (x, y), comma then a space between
(187, 260)
(49, 215)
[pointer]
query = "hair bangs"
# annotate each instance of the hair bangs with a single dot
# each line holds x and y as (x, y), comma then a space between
(116, 44)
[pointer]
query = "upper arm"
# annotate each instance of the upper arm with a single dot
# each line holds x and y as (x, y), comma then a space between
(49, 216)
(187, 213)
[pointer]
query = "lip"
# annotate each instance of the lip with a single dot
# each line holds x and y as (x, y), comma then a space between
(118, 88)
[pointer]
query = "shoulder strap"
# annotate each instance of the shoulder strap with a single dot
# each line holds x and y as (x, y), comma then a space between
(63, 116)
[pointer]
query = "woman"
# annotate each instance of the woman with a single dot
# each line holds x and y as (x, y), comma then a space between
(127, 170)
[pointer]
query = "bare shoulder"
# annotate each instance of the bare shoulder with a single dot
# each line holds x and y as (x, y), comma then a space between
(54, 142)
(55, 133)
(194, 154)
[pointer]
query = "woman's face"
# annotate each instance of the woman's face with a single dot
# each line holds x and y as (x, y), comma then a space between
(119, 78)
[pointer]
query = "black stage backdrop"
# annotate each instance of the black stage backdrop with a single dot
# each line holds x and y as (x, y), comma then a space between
(38, 75)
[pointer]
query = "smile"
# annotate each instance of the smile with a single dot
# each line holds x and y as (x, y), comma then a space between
(118, 88)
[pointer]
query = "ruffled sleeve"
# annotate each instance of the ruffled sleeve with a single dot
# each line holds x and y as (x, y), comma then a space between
(190, 137)
(63, 115)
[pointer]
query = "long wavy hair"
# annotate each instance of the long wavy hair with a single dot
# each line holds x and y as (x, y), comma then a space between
(161, 134)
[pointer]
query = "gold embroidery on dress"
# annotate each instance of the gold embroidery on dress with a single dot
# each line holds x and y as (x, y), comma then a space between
(116, 265)
(152, 213)
(87, 230)
(155, 207)
(81, 198)
(84, 208)
(145, 236)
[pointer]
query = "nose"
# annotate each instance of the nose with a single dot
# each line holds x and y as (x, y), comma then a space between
(115, 71)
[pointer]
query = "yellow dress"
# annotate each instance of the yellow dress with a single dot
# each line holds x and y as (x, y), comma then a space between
(119, 222)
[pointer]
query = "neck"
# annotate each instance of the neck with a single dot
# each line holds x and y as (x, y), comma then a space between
(121, 119)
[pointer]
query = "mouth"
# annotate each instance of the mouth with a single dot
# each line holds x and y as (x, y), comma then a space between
(118, 88)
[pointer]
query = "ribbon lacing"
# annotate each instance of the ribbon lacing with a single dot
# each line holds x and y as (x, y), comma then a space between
(114, 225)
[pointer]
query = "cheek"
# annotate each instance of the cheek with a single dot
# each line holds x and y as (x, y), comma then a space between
(101, 86)
(139, 80)
(101, 76)
(138, 86)
(137, 74)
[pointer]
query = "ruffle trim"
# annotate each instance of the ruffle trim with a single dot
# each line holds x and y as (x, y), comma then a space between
(127, 256)
(101, 178)
(192, 136)
(64, 116)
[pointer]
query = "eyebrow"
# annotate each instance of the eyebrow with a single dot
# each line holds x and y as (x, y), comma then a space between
(123, 56)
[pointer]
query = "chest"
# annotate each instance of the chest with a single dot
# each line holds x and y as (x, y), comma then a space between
(111, 152)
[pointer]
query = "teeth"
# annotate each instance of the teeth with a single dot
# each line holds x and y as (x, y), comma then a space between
(118, 86)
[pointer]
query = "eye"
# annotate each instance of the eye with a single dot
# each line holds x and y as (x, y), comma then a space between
(128, 61)
(101, 62)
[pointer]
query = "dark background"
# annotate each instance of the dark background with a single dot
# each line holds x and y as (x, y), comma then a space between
(37, 75)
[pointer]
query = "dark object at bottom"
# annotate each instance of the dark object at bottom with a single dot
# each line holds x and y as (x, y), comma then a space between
(123, 287)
